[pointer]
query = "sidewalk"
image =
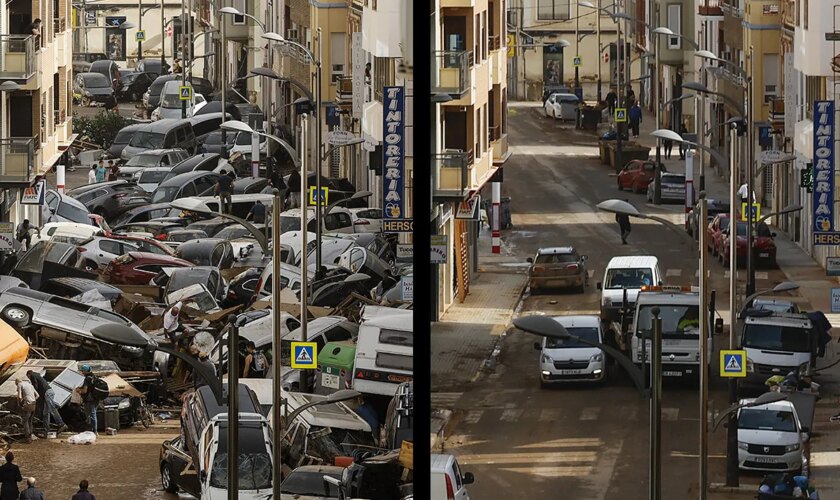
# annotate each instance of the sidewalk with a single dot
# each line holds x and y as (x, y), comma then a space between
(468, 336)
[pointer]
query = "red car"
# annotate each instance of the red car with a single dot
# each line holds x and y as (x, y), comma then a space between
(714, 232)
(138, 268)
(764, 249)
(636, 175)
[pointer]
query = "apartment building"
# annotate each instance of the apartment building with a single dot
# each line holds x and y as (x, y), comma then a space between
(36, 124)
(469, 120)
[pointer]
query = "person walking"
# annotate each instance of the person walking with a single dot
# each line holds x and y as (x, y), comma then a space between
(113, 171)
(635, 119)
(257, 213)
(611, 99)
(92, 175)
(31, 493)
(669, 146)
(172, 323)
(683, 147)
(45, 407)
(22, 234)
(27, 396)
(224, 190)
(83, 493)
(90, 399)
(9, 478)
(255, 363)
(624, 226)
(100, 171)
(294, 189)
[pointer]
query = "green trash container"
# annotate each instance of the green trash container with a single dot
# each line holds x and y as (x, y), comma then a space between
(335, 367)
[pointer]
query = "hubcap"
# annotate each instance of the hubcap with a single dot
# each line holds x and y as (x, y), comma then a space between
(15, 314)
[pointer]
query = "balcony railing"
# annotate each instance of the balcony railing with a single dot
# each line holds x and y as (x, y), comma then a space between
(451, 173)
(495, 133)
(59, 25)
(17, 159)
(344, 88)
(495, 42)
(451, 71)
(17, 57)
(710, 8)
(777, 110)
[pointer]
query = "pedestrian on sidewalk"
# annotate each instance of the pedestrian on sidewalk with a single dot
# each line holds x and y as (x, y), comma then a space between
(31, 493)
(635, 119)
(623, 226)
(9, 478)
(742, 193)
(611, 98)
(22, 234)
(27, 397)
(683, 147)
(45, 407)
(823, 326)
(83, 493)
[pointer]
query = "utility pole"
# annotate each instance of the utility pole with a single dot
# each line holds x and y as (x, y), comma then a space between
(656, 409)
(732, 428)
(657, 177)
(750, 181)
(183, 46)
(578, 90)
(619, 63)
(162, 37)
(140, 28)
(704, 325)
(318, 152)
(598, 30)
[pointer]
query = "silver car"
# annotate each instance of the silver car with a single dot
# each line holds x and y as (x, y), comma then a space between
(673, 187)
(99, 251)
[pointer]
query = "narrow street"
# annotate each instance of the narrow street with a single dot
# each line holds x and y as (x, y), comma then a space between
(584, 441)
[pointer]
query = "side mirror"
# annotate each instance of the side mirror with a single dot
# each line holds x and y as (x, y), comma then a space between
(468, 478)
(529, 260)
(599, 286)
(719, 326)
(537, 346)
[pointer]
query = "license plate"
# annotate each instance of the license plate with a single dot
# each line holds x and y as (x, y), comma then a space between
(330, 381)
(764, 255)
(766, 460)
(570, 372)
(672, 374)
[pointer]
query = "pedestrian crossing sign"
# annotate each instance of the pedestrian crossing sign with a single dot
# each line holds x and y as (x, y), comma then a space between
(756, 209)
(576, 61)
(304, 355)
(733, 363)
(140, 35)
(621, 115)
(185, 93)
(313, 197)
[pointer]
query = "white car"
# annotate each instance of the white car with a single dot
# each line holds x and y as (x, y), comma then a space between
(339, 220)
(367, 220)
(150, 178)
(99, 251)
(447, 481)
(561, 106)
(570, 360)
(67, 232)
(171, 104)
(770, 437)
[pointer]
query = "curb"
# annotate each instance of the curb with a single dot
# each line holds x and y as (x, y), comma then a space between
(492, 359)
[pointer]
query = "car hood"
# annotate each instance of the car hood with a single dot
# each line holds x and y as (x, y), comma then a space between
(617, 294)
(767, 437)
(100, 91)
(571, 353)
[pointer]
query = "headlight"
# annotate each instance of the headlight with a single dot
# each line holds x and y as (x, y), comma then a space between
(596, 357)
(742, 445)
(125, 403)
(791, 447)
(804, 368)
(546, 359)
(750, 366)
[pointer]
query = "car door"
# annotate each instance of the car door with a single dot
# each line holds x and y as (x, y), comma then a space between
(107, 250)
(628, 175)
(65, 314)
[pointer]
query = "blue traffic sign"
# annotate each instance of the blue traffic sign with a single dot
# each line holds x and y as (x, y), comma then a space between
(733, 363)
(304, 355)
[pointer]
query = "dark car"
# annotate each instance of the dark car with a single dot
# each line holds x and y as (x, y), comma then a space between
(207, 252)
(202, 86)
(214, 105)
(151, 99)
(249, 185)
(184, 185)
(71, 287)
(135, 84)
(138, 268)
(89, 57)
(177, 279)
(242, 287)
(92, 87)
(210, 226)
(49, 259)
(204, 125)
(713, 207)
(205, 162)
(152, 66)
(146, 213)
(212, 142)
(308, 481)
(110, 199)
(121, 140)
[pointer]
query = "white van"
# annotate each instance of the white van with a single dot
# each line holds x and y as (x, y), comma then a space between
(777, 344)
(626, 273)
(770, 437)
(447, 481)
(384, 350)
(568, 360)
(171, 103)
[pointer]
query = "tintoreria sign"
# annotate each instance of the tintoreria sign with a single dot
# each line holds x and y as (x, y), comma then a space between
(823, 171)
(393, 160)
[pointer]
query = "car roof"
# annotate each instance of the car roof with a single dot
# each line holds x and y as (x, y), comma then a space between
(189, 164)
(94, 186)
(199, 243)
(555, 250)
(86, 284)
(158, 257)
(151, 152)
(180, 179)
(441, 463)
(794, 320)
(580, 320)
(168, 124)
(633, 261)
(782, 405)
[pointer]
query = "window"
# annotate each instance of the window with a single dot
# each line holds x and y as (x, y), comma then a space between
(675, 25)
(337, 55)
(553, 9)
(241, 7)
(189, 190)
(395, 361)
(396, 337)
(150, 268)
(337, 334)
(771, 76)
(109, 246)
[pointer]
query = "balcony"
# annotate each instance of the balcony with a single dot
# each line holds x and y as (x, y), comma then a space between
(344, 89)
(710, 8)
(17, 160)
(17, 57)
(494, 42)
(499, 142)
(59, 25)
(451, 72)
(451, 174)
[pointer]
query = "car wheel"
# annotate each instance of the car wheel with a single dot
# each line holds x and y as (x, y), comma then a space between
(543, 385)
(91, 266)
(166, 479)
(618, 184)
(18, 316)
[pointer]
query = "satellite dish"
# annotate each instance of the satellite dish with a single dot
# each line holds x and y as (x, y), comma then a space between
(204, 341)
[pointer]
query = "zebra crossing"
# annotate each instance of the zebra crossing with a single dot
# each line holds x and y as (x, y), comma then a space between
(677, 273)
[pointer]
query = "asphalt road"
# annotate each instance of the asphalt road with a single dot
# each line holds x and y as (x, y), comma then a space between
(579, 442)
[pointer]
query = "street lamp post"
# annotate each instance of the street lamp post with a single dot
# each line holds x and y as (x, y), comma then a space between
(223, 68)
(233, 410)
(276, 365)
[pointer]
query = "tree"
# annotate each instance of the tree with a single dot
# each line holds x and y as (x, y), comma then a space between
(101, 129)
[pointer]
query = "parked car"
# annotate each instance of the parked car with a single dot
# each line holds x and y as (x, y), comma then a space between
(764, 248)
(59, 207)
(562, 106)
(672, 185)
(203, 162)
(66, 232)
(175, 238)
(207, 252)
(242, 288)
(375, 243)
(110, 70)
(151, 158)
(242, 144)
(775, 305)
(149, 179)
(138, 268)
(135, 84)
(72, 287)
(212, 142)
(151, 99)
(210, 226)
(162, 134)
(92, 87)
(447, 481)
(714, 232)
(249, 185)
(178, 278)
(339, 220)
(636, 175)
(99, 251)
(121, 140)
(367, 220)
(557, 266)
(152, 66)
(155, 229)
(110, 199)
(713, 207)
(771, 437)
(144, 243)
(171, 105)
(146, 213)
(307, 481)
(570, 359)
(198, 183)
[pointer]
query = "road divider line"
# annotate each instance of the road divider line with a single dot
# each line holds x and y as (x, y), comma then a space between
(590, 413)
